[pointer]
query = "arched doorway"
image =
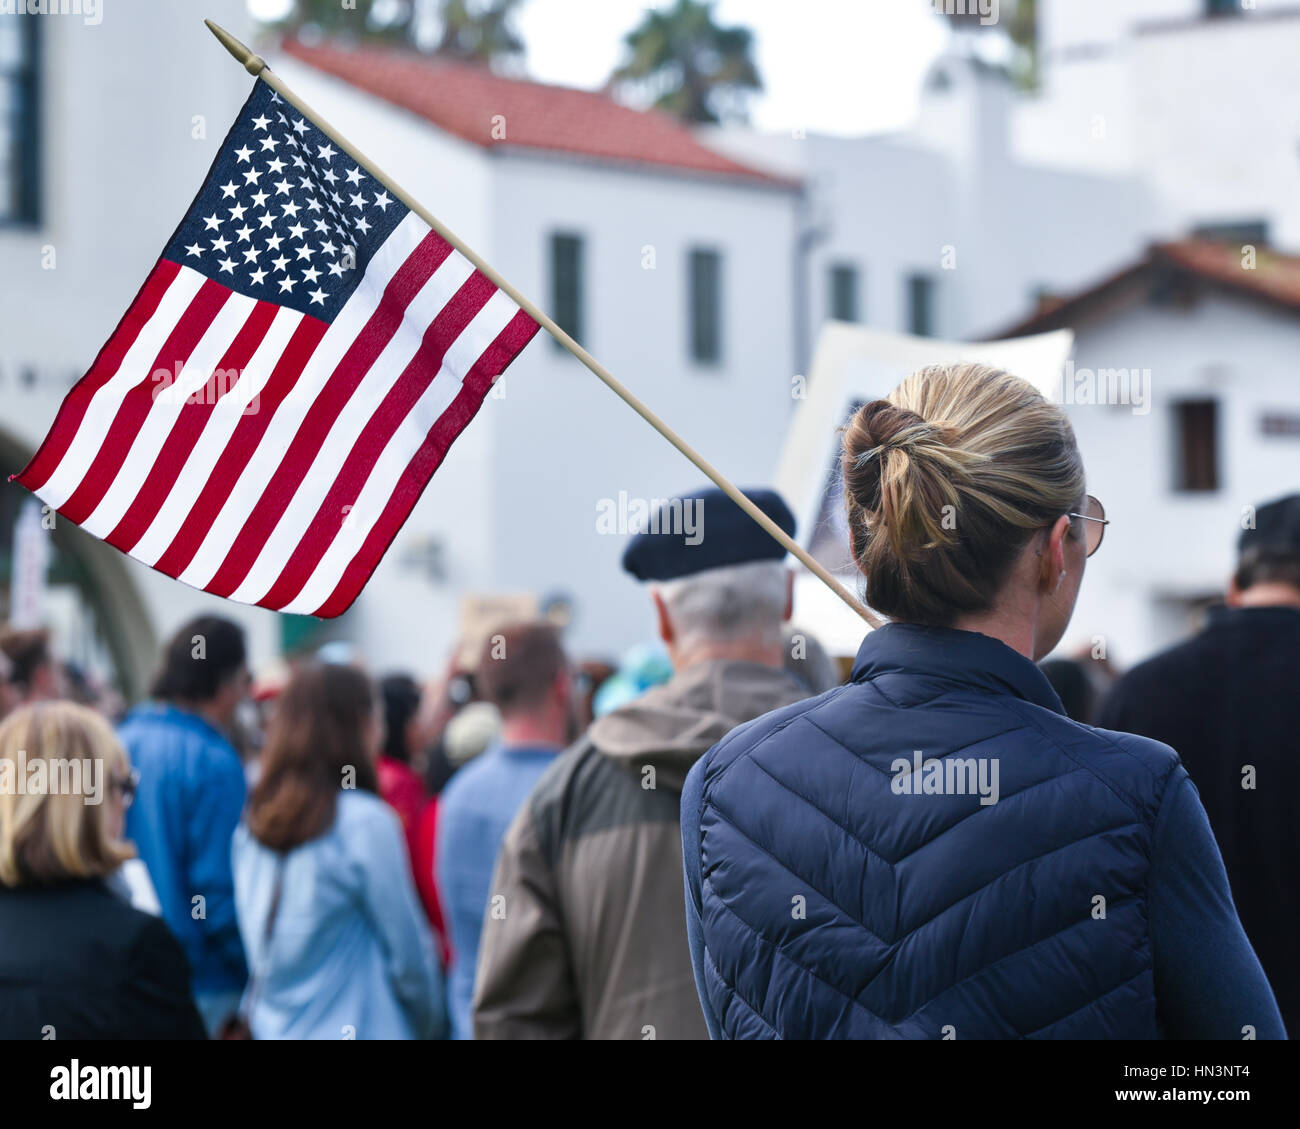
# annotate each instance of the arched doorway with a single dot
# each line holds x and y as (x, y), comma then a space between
(98, 573)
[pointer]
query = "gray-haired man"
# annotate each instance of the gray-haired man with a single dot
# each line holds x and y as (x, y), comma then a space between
(585, 935)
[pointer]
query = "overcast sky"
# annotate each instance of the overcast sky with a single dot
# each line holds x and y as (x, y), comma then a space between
(830, 66)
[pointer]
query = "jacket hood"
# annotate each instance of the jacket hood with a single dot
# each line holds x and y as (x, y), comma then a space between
(673, 725)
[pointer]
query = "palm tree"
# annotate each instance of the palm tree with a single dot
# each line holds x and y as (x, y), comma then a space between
(1021, 28)
(699, 71)
(472, 30)
(331, 17)
(478, 32)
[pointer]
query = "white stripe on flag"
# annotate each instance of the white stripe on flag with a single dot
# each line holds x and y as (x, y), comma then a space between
(441, 287)
(135, 367)
(340, 336)
(168, 400)
(221, 424)
(406, 441)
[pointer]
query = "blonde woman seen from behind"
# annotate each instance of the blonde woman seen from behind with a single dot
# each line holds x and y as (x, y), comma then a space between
(936, 850)
(77, 962)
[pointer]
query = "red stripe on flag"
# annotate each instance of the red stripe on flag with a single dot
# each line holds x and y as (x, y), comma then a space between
(139, 399)
(401, 399)
(508, 344)
(248, 434)
(190, 422)
(73, 410)
(383, 324)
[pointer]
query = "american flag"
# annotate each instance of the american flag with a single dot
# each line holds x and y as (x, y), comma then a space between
(294, 369)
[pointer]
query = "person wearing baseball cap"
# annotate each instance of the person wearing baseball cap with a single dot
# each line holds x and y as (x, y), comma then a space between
(591, 941)
(1227, 700)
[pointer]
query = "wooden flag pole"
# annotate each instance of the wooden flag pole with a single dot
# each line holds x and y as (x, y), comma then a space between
(256, 65)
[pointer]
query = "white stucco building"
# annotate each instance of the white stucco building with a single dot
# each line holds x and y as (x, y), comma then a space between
(698, 269)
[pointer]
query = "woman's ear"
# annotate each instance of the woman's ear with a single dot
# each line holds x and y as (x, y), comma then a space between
(1051, 566)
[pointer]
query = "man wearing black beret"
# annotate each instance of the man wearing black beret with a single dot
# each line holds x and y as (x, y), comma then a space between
(1229, 701)
(591, 938)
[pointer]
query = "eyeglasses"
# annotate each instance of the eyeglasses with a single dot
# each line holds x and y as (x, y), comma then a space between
(1096, 516)
(127, 787)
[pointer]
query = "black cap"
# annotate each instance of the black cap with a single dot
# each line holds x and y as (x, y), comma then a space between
(703, 530)
(1276, 529)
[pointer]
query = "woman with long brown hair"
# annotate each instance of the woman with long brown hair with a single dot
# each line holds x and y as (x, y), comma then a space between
(337, 943)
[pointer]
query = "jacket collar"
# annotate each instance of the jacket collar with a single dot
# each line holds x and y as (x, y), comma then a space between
(1277, 616)
(964, 657)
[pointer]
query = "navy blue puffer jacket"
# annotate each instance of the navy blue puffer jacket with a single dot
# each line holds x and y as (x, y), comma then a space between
(998, 892)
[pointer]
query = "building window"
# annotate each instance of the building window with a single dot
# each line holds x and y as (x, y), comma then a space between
(19, 126)
(920, 305)
(566, 284)
(844, 292)
(706, 305)
(1222, 7)
(1196, 438)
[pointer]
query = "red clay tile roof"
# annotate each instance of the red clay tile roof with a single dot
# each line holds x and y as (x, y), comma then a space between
(1275, 280)
(463, 99)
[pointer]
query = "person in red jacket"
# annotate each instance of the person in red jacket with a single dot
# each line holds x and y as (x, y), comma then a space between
(403, 790)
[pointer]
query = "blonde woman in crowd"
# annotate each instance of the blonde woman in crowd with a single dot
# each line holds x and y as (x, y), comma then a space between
(77, 960)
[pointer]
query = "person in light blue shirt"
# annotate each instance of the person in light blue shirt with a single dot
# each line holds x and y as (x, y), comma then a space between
(524, 673)
(189, 800)
(338, 944)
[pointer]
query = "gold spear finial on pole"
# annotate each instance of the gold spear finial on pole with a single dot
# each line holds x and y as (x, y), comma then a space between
(253, 64)
(256, 65)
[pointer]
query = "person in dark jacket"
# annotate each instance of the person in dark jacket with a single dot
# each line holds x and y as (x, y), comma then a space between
(935, 850)
(77, 960)
(1226, 700)
(585, 936)
(192, 789)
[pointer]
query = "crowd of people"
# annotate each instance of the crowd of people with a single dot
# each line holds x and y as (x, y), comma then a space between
(953, 838)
